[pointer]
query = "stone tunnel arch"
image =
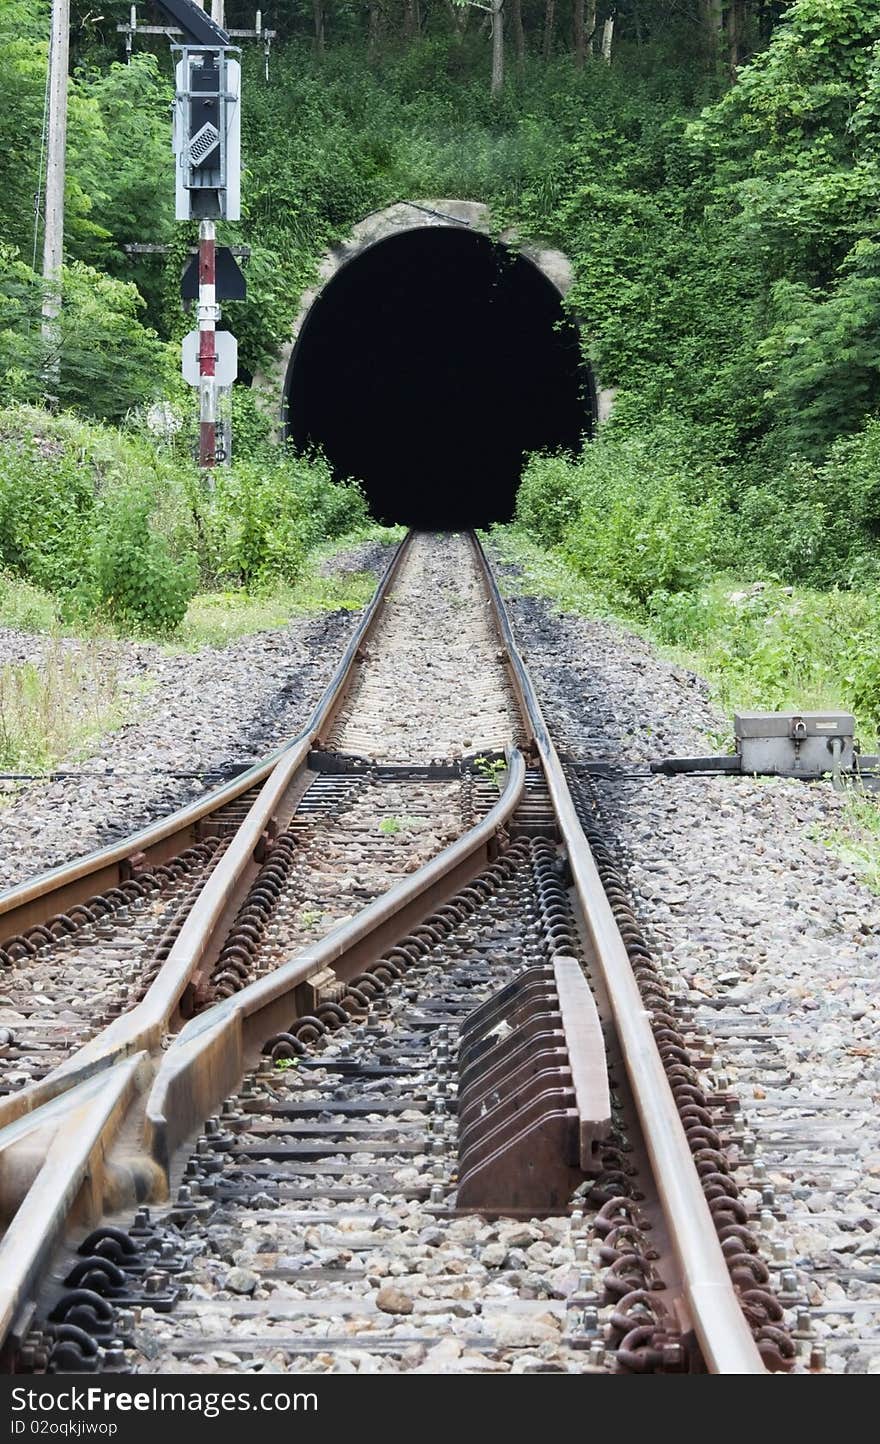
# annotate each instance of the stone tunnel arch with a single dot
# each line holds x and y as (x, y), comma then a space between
(430, 358)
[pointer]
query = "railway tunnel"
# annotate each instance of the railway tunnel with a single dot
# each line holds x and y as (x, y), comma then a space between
(428, 365)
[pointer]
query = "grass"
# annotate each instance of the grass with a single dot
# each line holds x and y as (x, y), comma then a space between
(764, 647)
(213, 619)
(25, 608)
(216, 618)
(856, 840)
(57, 709)
(390, 826)
(492, 769)
(760, 647)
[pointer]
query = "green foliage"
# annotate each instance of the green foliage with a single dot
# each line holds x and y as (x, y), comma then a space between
(635, 514)
(390, 826)
(26, 607)
(107, 360)
(761, 645)
(130, 174)
(266, 516)
(59, 706)
(815, 522)
(724, 241)
(491, 769)
(111, 526)
(214, 618)
(775, 647)
(46, 499)
(134, 576)
(822, 354)
(857, 838)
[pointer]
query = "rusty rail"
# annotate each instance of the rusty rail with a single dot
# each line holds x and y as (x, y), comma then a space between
(57, 1165)
(208, 1057)
(725, 1339)
(106, 1083)
(143, 1026)
(53, 892)
(56, 1159)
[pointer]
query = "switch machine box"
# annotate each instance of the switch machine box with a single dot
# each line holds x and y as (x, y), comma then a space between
(805, 744)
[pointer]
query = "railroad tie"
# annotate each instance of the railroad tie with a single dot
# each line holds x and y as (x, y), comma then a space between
(533, 1097)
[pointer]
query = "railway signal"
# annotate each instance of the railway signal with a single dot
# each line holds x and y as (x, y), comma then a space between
(207, 146)
(207, 133)
(229, 280)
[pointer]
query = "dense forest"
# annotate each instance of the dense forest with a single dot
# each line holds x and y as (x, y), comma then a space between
(711, 170)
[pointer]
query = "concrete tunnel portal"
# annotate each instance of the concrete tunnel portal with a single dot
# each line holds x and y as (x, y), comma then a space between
(428, 365)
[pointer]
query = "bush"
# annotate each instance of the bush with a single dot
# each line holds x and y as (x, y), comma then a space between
(265, 516)
(46, 497)
(134, 577)
(107, 362)
(634, 515)
(549, 498)
(107, 522)
(808, 521)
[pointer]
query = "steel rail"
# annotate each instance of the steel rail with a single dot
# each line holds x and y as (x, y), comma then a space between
(726, 1341)
(209, 1054)
(143, 1026)
(68, 1178)
(63, 1149)
(55, 1147)
(27, 904)
(207, 1058)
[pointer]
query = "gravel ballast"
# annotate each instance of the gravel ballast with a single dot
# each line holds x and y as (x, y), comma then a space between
(775, 943)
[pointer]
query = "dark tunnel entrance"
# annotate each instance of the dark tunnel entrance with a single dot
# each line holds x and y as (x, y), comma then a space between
(427, 366)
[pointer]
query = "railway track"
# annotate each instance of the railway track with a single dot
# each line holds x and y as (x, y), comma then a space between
(373, 1068)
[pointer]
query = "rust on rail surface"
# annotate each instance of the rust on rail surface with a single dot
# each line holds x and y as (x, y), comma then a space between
(209, 1056)
(49, 900)
(726, 1341)
(114, 1078)
(60, 1157)
(144, 1025)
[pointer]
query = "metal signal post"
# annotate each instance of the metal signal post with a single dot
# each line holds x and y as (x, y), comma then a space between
(206, 145)
(208, 314)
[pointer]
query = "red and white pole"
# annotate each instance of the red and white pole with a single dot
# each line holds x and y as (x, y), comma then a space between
(208, 316)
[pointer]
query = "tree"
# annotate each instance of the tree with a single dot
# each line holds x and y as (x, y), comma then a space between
(495, 9)
(107, 361)
(549, 22)
(580, 37)
(518, 29)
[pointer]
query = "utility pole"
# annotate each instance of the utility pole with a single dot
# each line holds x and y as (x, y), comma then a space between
(56, 149)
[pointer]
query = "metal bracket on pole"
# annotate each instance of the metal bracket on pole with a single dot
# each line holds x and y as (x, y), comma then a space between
(193, 32)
